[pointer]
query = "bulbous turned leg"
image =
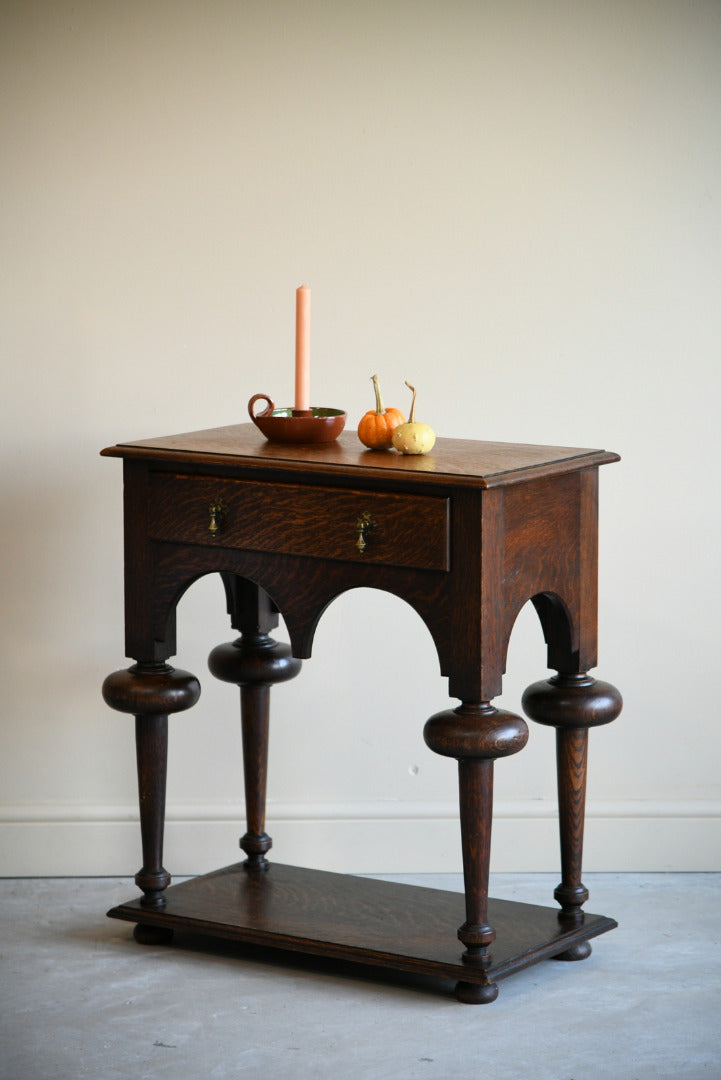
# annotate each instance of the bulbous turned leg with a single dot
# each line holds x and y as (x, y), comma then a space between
(572, 703)
(254, 662)
(151, 691)
(476, 734)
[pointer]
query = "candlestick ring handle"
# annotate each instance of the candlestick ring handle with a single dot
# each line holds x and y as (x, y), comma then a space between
(217, 511)
(266, 412)
(365, 525)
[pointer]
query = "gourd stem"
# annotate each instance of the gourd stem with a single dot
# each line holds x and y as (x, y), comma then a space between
(379, 400)
(412, 417)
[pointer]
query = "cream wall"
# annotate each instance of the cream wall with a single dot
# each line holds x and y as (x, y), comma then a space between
(515, 205)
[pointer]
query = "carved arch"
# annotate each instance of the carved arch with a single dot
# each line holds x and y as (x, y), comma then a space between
(557, 625)
(300, 598)
(306, 632)
(558, 630)
(238, 590)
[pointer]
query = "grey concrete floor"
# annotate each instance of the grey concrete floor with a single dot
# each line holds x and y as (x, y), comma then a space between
(80, 999)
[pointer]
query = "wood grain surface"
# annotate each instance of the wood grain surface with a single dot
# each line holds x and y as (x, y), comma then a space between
(380, 923)
(293, 519)
(464, 461)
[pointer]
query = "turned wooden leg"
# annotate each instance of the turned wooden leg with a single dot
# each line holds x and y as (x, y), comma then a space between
(254, 662)
(475, 735)
(151, 749)
(572, 704)
(151, 691)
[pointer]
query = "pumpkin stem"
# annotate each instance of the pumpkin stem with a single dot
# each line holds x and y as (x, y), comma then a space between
(379, 400)
(412, 417)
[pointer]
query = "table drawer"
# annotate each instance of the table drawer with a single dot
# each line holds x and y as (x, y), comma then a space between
(295, 519)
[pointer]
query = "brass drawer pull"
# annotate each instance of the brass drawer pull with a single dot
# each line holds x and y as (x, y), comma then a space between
(217, 510)
(365, 525)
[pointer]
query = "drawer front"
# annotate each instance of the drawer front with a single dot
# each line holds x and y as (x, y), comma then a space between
(294, 519)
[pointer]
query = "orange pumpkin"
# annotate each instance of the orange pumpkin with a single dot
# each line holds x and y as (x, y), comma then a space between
(377, 426)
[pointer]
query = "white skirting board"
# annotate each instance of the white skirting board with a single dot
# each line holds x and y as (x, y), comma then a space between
(382, 837)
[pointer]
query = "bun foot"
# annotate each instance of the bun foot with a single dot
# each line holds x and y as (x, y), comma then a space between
(152, 935)
(577, 952)
(476, 993)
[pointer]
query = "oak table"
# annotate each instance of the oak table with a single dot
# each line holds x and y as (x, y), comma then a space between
(466, 535)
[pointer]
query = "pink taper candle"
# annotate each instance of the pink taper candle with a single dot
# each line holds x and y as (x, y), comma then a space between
(302, 348)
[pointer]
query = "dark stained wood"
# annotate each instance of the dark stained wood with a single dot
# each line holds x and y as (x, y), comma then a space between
(550, 554)
(254, 662)
(141, 640)
(361, 920)
(572, 703)
(151, 743)
(466, 535)
(319, 522)
(571, 764)
(151, 691)
(463, 461)
(475, 799)
(475, 735)
(255, 725)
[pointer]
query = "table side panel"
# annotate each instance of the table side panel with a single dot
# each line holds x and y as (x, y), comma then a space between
(550, 556)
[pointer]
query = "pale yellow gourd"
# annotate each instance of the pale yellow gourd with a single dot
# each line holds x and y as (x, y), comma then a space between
(413, 437)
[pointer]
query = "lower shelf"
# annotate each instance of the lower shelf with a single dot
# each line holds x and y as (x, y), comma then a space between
(378, 923)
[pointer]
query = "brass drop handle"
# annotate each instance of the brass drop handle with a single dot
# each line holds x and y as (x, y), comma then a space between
(217, 512)
(365, 525)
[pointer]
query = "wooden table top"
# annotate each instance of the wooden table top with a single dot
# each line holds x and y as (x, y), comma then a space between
(461, 462)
